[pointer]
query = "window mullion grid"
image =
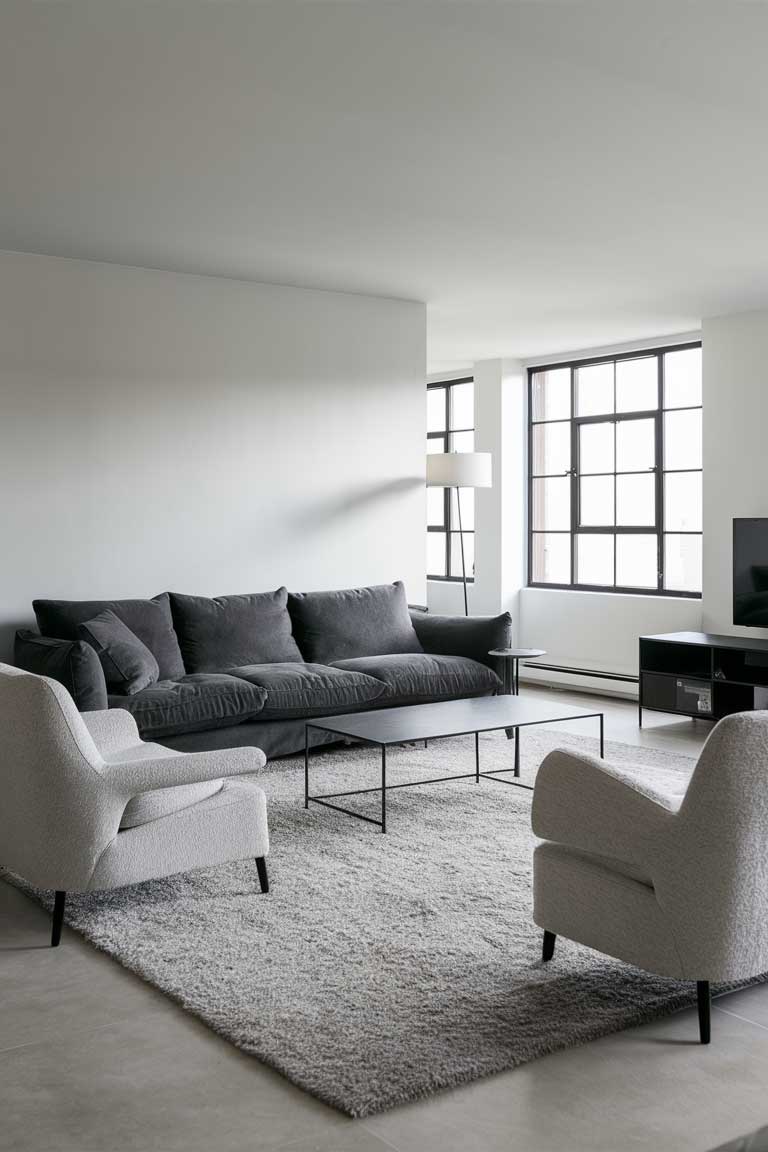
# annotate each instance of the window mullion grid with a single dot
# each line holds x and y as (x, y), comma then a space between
(447, 491)
(659, 527)
(531, 526)
(575, 493)
(445, 436)
(660, 476)
(615, 465)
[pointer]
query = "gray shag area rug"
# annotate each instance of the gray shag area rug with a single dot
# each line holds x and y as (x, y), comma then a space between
(381, 969)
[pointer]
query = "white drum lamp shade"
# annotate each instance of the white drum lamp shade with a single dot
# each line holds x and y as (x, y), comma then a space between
(459, 470)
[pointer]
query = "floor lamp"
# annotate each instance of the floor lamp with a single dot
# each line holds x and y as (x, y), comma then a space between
(460, 470)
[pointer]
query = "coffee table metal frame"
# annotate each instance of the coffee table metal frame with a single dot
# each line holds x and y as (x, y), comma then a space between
(495, 774)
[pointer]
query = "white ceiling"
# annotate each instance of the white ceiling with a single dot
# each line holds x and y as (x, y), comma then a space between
(546, 176)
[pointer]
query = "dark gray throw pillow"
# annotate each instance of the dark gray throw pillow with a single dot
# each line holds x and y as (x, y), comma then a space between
(231, 631)
(150, 620)
(71, 662)
(128, 664)
(353, 622)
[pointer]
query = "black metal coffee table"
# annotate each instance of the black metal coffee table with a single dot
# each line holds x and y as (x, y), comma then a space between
(432, 721)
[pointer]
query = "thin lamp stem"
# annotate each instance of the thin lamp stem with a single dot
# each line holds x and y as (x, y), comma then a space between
(461, 541)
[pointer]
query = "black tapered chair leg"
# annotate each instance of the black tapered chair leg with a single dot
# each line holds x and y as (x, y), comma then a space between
(704, 998)
(59, 901)
(261, 868)
(548, 946)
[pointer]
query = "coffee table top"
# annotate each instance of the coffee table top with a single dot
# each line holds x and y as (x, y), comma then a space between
(447, 718)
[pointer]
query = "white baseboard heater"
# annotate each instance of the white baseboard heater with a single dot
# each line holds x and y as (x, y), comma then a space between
(565, 670)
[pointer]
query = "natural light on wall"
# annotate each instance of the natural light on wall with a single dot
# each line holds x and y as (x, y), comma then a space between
(616, 473)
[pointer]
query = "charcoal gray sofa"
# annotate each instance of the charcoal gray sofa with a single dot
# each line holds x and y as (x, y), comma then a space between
(200, 673)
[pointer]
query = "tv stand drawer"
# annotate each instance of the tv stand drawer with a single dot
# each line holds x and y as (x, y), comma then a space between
(683, 694)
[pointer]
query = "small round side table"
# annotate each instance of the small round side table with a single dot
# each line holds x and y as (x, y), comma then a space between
(511, 658)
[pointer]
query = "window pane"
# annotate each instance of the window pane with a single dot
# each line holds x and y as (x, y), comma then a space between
(635, 445)
(594, 560)
(462, 406)
(636, 501)
(436, 553)
(552, 503)
(594, 389)
(623, 468)
(435, 507)
(462, 441)
(435, 409)
(551, 558)
(551, 395)
(682, 378)
(596, 501)
(551, 449)
(467, 510)
(637, 561)
(637, 384)
(469, 553)
(596, 443)
(682, 439)
(682, 563)
(682, 501)
(435, 444)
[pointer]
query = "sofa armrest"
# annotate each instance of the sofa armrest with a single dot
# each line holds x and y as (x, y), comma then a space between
(472, 636)
(72, 662)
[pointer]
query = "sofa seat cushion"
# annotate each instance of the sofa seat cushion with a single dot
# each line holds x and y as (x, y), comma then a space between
(150, 620)
(413, 677)
(149, 806)
(231, 631)
(310, 689)
(192, 704)
(332, 626)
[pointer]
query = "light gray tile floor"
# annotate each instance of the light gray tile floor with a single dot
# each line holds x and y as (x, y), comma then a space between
(93, 1060)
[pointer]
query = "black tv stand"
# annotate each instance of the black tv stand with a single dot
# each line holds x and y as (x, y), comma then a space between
(703, 676)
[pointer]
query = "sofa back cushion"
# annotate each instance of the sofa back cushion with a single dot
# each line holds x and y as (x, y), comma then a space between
(353, 622)
(150, 620)
(128, 664)
(231, 631)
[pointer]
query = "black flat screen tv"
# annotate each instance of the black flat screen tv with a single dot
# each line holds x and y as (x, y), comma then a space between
(750, 572)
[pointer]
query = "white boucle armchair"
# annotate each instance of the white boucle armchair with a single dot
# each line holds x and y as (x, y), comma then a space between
(87, 805)
(671, 877)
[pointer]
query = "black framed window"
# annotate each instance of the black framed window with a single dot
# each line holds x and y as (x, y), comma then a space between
(615, 473)
(450, 428)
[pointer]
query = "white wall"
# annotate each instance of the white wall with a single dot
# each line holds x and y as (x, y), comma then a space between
(597, 630)
(735, 467)
(205, 435)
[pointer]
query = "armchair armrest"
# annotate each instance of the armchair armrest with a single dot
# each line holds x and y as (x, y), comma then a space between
(112, 729)
(130, 777)
(585, 803)
(472, 636)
